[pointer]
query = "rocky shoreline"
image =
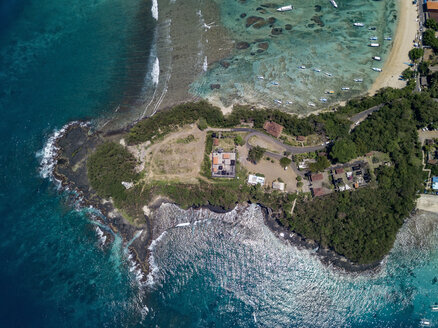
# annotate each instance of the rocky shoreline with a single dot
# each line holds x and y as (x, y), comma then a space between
(78, 141)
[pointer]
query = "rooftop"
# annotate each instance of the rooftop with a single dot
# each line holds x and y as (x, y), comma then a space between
(273, 128)
(432, 5)
(316, 177)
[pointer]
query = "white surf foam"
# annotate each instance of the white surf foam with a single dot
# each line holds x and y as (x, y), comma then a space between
(153, 267)
(154, 9)
(185, 224)
(205, 65)
(155, 73)
(48, 155)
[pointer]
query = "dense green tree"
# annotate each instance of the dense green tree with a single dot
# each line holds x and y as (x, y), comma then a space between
(255, 154)
(108, 166)
(423, 68)
(431, 23)
(344, 150)
(416, 53)
(321, 164)
(429, 39)
(408, 74)
(285, 161)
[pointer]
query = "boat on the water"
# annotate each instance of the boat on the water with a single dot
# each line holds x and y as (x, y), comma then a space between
(311, 104)
(317, 70)
(333, 2)
(285, 8)
(323, 100)
(345, 88)
(425, 322)
(330, 92)
(372, 28)
(289, 102)
(278, 101)
(377, 58)
(359, 24)
(260, 77)
(374, 45)
(376, 69)
(388, 38)
(302, 67)
(358, 80)
(328, 74)
(373, 38)
(434, 308)
(275, 83)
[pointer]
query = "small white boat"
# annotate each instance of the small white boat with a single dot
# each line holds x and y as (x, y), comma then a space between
(373, 38)
(317, 70)
(377, 58)
(274, 83)
(288, 102)
(328, 74)
(260, 77)
(434, 308)
(302, 67)
(359, 24)
(285, 8)
(388, 38)
(323, 100)
(358, 80)
(372, 28)
(345, 88)
(330, 92)
(376, 69)
(333, 2)
(311, 104)
(278, 101)
(374, 45)
(425, 322)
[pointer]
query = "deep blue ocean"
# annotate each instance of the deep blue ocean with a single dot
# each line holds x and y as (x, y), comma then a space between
(81, 60)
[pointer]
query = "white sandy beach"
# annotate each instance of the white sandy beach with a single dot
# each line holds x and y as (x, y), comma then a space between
(406, 31)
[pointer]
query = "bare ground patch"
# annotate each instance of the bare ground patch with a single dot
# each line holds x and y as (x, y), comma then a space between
(178, 157)
(271, 171)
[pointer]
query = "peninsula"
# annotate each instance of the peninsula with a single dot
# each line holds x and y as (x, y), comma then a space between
(341, 182)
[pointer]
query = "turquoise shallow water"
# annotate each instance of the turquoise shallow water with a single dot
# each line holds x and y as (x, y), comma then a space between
(321, 37)
(61, 61)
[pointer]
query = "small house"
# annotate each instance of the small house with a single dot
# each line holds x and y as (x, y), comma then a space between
(278, 186)
(274, 129)
(254, 180)
(316, 192)
(316, 177)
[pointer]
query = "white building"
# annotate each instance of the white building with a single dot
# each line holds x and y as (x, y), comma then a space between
(278, 186)
(254, 179)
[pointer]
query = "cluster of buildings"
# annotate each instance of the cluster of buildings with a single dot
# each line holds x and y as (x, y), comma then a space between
(258, 180)
(340, 178)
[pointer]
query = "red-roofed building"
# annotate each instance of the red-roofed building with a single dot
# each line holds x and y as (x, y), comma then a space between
(316, 192)
(316, 177)
(215, 142)
(301, 138)
(339, 171)
(273, 128)
(432, 9)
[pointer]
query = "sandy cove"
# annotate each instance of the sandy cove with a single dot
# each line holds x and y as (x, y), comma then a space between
(406, 31)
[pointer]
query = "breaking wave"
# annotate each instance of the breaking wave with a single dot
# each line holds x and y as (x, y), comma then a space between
(154, 9)
(48, 155)
(155, 73)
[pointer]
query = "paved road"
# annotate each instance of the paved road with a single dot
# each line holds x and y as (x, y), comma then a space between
(290, 149)
(363, 115)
